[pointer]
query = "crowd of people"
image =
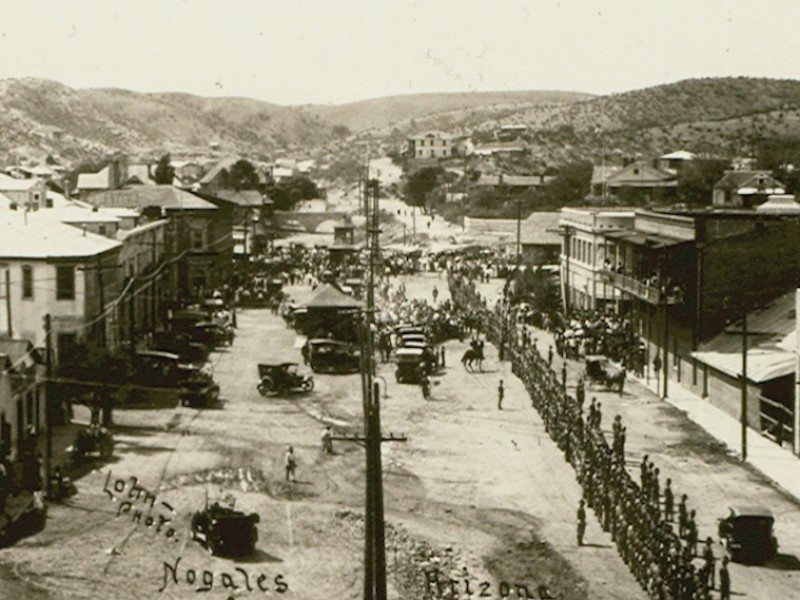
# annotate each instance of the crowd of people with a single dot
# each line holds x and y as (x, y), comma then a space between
(639, 515)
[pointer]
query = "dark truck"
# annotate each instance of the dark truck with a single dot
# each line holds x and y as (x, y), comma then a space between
(748, 535)
(225, 531)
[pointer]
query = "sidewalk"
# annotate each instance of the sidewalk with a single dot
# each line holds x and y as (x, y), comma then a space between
(776, 463)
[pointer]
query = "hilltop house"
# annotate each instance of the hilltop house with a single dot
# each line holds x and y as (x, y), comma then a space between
(745, 188)
(641, 182)
(432, 144)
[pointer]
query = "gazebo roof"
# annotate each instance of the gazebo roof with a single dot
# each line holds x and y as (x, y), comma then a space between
(329, 296)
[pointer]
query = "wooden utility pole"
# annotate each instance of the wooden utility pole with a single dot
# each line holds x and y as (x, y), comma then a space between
(743, 409)
(374, 531)
(8, 302)
(519, 228)
(48, 393)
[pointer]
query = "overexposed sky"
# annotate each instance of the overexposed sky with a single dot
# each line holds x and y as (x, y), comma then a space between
(321, 51)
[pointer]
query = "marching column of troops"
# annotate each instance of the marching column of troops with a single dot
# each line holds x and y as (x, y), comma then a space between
(639, 516)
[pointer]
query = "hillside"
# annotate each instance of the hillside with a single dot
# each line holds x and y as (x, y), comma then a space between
(717, 116)
(38, 117)
(722, 116)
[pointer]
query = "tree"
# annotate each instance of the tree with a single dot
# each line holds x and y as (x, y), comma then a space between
(420, 184)
(299, 188)
(164, 172)
(243, 176)
(697, 178)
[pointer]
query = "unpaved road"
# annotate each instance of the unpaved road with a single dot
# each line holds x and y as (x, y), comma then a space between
(483, 489)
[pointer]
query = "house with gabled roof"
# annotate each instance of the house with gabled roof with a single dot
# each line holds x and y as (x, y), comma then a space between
(642, 182)
(745, 188)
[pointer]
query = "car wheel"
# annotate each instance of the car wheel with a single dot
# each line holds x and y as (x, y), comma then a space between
(308, 385)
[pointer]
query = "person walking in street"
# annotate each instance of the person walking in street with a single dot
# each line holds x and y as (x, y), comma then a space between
(500, 394)
(327, 440)
(550, 356)
(290, 464)
(581, 521)
(724, 581)
(622, 375)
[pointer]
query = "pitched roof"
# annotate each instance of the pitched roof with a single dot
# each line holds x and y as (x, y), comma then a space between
(30, 236)
(780, 203)
(17, 350)
(329, 296)
(12, 184)
(601, 173)
(679, 155)
(641, 175)
(224, 163)
(540, 229)
(140, 197)
(94, 181)
(736, 180)
(245, 198)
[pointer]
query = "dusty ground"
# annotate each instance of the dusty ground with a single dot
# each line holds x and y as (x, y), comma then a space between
(474, 487)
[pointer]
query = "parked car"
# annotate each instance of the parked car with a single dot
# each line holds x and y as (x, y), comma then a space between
(225, 531)
(332, 356)
(181, 344)
(210, 334)
(747, 533)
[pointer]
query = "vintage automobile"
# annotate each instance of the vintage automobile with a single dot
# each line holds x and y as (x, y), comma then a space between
(747, 533)
(225, 531)
(411, 365)
(283, 377)
(332, 356)
(180, 343)
(25, 513)
(95, 440)
(599, 371)
(210, 334)
(197, 387)
(164, 371)
(412, 338)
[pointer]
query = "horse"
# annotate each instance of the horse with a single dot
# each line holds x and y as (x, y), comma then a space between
(472, 356)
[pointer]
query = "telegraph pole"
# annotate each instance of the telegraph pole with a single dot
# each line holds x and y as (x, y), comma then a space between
(743, 409)
(374, 531)
(48, 400)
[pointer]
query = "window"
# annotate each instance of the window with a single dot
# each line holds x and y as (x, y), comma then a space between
(48, 203)
(65, 282)
(27, 282)
(198, 239)
(102, 230)
(65, 344)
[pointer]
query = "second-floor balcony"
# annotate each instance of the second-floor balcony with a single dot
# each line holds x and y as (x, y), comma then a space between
(644, 289)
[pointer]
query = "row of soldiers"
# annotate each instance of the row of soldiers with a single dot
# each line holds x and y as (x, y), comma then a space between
(639, 516)
(662, 560)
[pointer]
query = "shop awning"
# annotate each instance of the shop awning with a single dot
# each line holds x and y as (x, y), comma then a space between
(762, 364)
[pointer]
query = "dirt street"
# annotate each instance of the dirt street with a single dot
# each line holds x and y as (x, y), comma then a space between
(474, 487)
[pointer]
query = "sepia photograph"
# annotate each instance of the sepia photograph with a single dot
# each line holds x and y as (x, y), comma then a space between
(402, 300)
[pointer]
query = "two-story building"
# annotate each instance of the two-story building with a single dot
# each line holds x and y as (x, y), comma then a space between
(198, 236)
(585, 253)
(51, 268)
(687, 276)
(431, 144)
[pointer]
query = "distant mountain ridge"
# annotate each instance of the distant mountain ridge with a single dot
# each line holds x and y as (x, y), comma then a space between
(715, 115)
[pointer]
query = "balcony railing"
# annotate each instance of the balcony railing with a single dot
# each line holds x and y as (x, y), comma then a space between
(642, 289)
